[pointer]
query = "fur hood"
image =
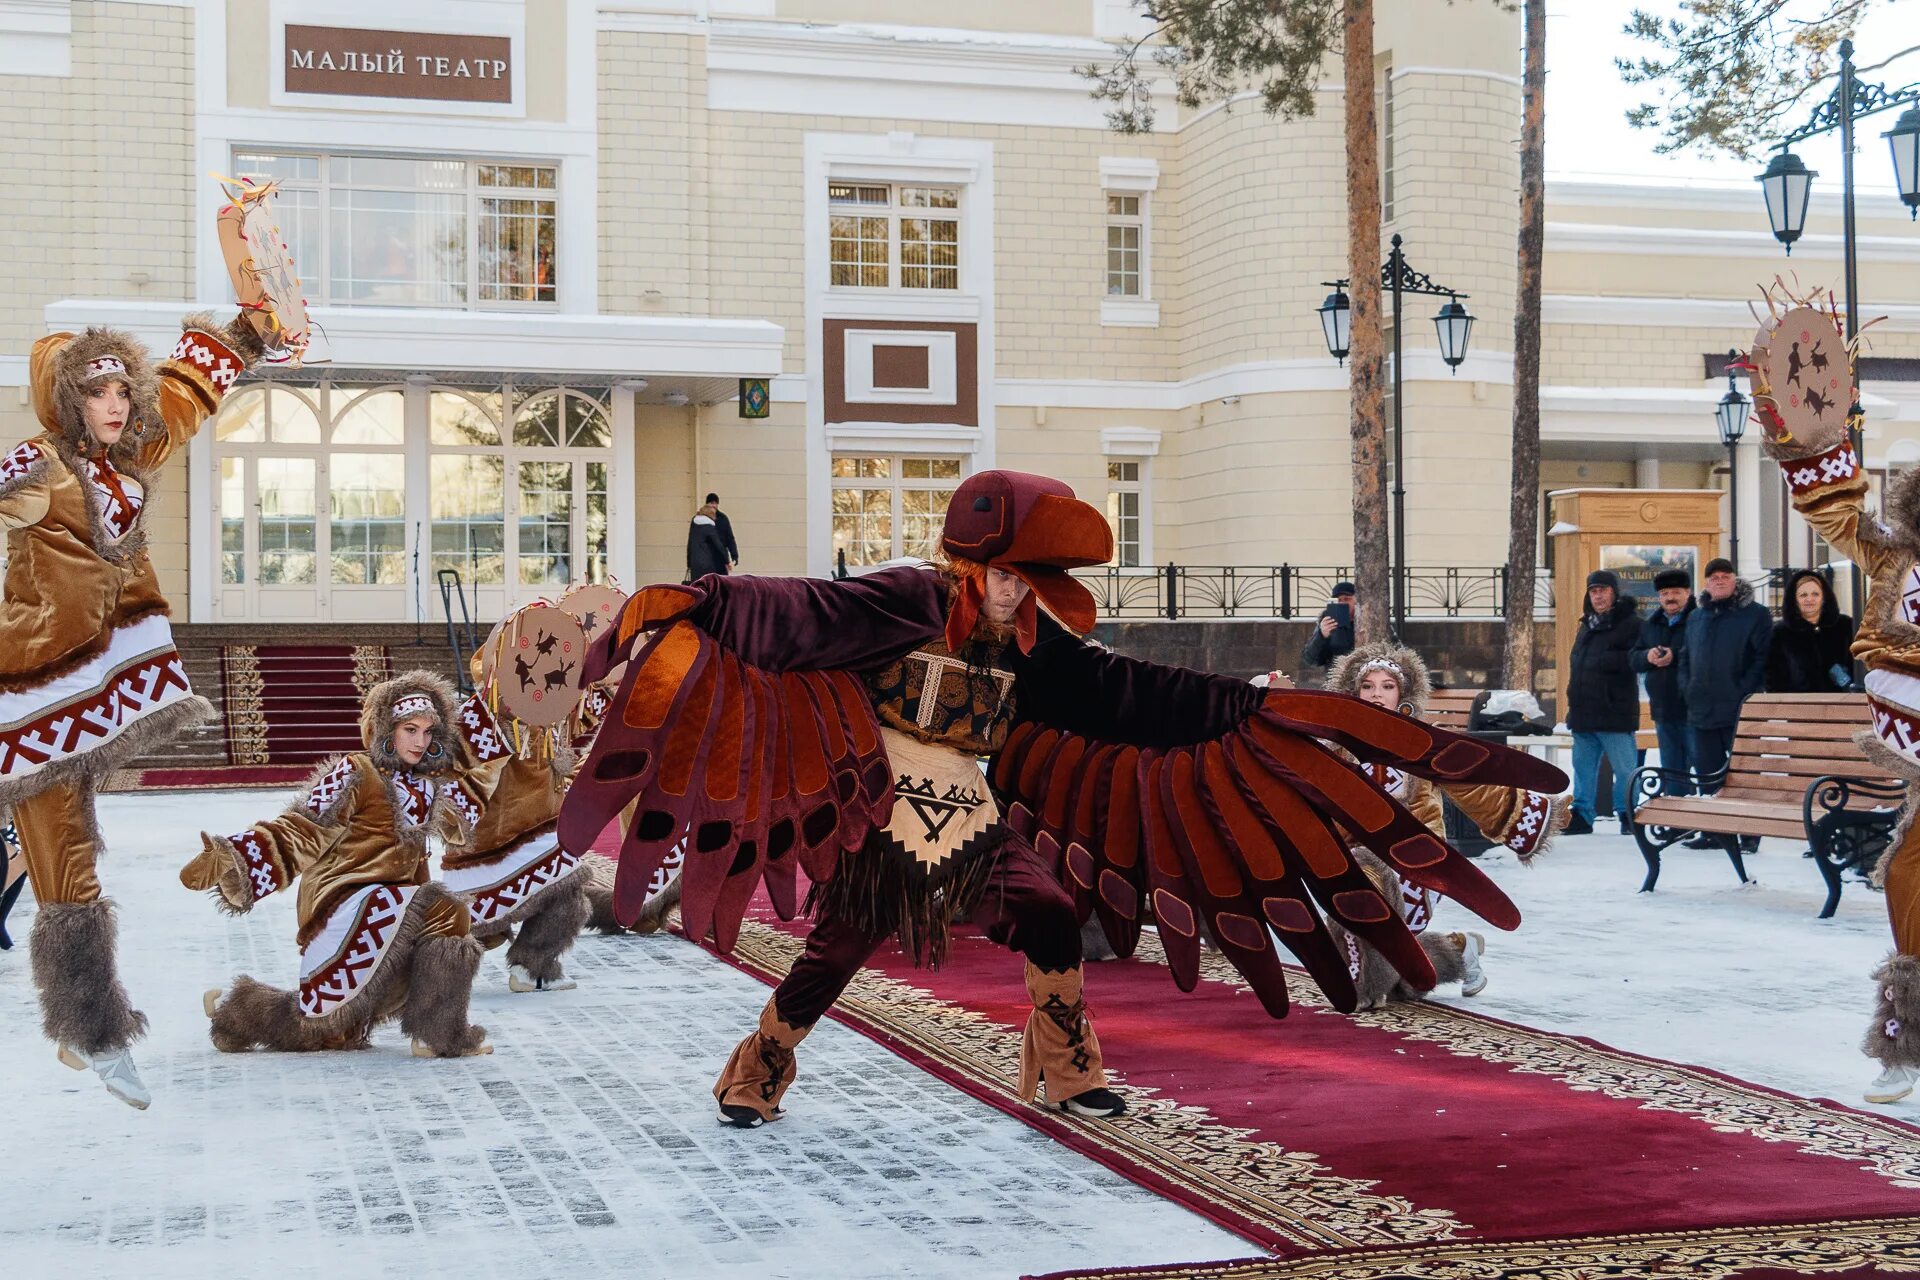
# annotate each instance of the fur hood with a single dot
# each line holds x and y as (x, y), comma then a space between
(377, 720)
(1790, 607)
(1415, 685)
(60, 382)
(1741, 597)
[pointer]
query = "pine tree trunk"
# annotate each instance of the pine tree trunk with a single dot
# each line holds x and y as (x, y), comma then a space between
(1366, 363)
(1523, 529)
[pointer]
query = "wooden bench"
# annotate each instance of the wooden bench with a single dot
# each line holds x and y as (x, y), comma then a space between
(1795, 772)
(1450, 708)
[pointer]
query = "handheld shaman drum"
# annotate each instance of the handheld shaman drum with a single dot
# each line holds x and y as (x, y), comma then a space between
(530, 666)
(262, 269)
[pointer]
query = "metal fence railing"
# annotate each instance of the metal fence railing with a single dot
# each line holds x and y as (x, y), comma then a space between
(1286, 591)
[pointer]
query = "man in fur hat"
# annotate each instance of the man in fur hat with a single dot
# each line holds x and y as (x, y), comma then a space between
(1393, 676)
(89, 676)
(377, 937)
(1829, 487)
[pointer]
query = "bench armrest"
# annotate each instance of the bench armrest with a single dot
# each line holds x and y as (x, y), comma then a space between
(1836, 793)
(1649, 782)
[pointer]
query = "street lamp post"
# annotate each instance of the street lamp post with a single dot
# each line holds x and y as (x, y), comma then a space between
(1453, 325)
(1730, 415)
(1786, 184)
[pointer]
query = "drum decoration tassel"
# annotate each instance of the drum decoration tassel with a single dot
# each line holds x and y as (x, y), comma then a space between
(530, 670)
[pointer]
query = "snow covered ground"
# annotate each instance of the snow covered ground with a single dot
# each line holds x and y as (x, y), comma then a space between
(586, 1144)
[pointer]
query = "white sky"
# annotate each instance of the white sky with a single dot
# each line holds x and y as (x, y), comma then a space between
(1587, 132)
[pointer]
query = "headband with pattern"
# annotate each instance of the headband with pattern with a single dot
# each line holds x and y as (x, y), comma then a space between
(414, 704)
(106, 367)
(1385, 664)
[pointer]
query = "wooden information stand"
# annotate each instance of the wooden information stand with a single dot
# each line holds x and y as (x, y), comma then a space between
(1634, 532)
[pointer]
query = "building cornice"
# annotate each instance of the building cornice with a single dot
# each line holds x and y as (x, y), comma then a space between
(1716, 242)
(1688, 313)
(387, 337)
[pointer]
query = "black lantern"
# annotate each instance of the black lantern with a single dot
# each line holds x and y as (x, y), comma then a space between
(1455, 326)
(1904, 138)
(1786, 184)
(1732, 411)
(1336, 321)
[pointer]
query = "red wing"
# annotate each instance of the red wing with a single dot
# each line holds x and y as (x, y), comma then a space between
(1249, 834)
(763, 772)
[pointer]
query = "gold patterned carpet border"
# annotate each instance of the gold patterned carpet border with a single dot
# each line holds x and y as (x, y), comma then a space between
(1891, 1246)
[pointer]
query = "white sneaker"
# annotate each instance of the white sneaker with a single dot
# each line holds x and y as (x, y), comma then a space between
(1893, 1084)
(116, 1071)
(1473, 977)
(518, 979)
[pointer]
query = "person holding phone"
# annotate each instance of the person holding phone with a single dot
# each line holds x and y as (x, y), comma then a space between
(1332, 637)
(1663, 638)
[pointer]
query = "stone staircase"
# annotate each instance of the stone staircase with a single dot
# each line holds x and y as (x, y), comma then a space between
(204, 746)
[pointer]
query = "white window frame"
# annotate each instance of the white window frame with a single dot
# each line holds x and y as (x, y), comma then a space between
(1141, 445)
(1129, 176)
(1135, 221)
(1387, 192)
(317, 277)
(897, 483)
(894, 212)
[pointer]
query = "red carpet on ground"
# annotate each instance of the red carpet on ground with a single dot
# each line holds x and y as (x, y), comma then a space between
(235, 777)
(1414, 1140)
(296, 704)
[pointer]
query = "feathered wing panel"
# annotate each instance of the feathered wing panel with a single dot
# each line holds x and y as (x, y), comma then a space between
(729, 731)
(1243, 832)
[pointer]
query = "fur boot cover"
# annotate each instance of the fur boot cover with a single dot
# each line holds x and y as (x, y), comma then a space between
(600, 872)
(547, 932)
(439, 984)
(1447, 951)
(653, 916)
(1893, 1037)
(253, 1015)
(82, 1004)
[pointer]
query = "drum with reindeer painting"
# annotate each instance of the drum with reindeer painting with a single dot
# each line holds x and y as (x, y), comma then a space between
(530, 665)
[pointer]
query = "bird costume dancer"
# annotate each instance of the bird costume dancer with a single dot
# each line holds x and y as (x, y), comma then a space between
(1802, 387)
(89, 676)
(377, 937)
(1393, 676)
(837, 727)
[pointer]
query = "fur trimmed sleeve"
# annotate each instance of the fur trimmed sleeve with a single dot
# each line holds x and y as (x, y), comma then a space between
(24, 492)
(195, 379)
(267, 857)
(1523, 821)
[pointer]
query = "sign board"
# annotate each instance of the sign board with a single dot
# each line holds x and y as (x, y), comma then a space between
(359, 63)
(755, 396)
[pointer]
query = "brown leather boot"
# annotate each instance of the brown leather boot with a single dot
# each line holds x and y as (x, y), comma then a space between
(1060, 1045)
(757, 1075)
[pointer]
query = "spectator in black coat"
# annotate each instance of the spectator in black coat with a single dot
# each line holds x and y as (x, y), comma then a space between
(1723, 664)
(1603, 698)
(1332, 636)
(1812, 642)
(706, 553)
(1663, 637)
(726, 529)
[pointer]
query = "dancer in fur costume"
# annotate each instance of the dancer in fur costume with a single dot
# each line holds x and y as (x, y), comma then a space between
(377, 937)
(89, 676)
(1802, 387)
(1392, 676)
(838, 726)
(519, 885)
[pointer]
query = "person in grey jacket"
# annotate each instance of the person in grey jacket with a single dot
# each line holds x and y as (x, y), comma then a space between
(1723, 663)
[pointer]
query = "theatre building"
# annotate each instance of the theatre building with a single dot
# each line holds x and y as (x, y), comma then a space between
(546, 243)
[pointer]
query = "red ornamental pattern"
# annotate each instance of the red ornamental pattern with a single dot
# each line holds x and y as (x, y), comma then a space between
(415, 798)
(76, 727)
(479, 730)
(529, 882)
(20, 461)
(1897, 728)
(119, 506)
(207, 355)
(260, 869)
(331, 784)
(1835, 465)
(332, 985)
(1530, 829)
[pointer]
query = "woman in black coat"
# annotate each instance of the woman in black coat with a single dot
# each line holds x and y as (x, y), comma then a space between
(1811, 641)
(706, 551)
